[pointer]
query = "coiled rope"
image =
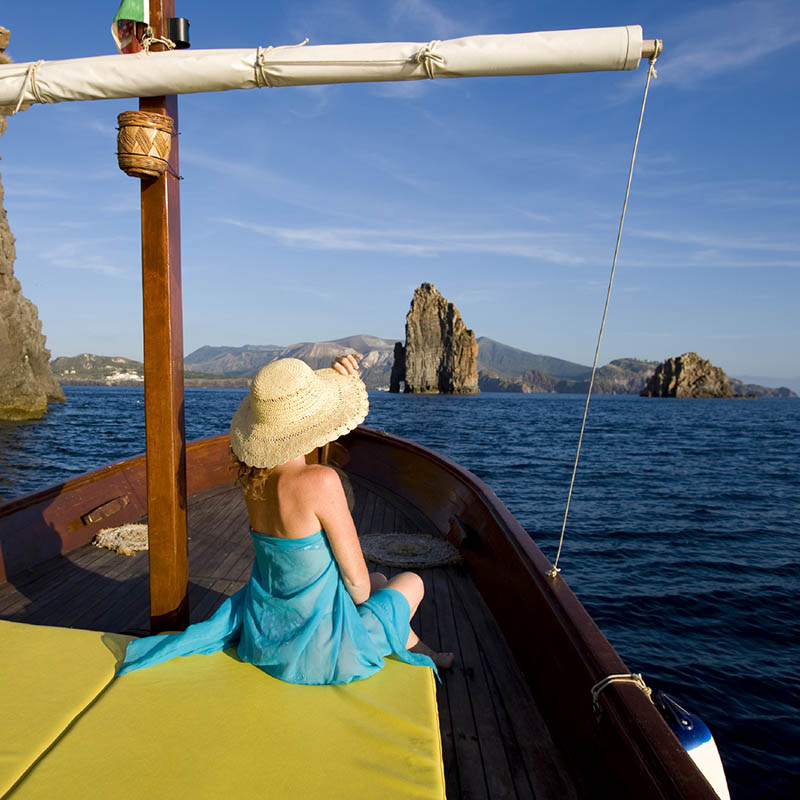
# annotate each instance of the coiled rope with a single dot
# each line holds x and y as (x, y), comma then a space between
(634, 678)
(651, 73)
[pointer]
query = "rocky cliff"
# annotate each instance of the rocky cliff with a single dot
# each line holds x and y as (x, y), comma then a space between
(687, 376)
(26, 380)
(440, 353)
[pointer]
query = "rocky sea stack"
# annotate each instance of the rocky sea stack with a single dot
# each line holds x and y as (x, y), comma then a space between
(27, 384)
(687, 376)
(440, 354)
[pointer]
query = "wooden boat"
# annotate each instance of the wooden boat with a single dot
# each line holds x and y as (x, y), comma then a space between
(516, 713)
(517, 717)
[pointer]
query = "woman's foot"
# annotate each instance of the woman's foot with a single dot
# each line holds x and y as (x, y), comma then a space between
(442, 660)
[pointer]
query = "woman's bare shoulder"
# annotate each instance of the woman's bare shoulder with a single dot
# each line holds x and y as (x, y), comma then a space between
(312, 478)
(321, 477)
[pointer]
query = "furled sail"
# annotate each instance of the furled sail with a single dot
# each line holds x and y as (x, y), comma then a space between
(185, 71)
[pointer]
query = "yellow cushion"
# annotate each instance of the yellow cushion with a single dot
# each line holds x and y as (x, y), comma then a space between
(47, 678)
(213, 727)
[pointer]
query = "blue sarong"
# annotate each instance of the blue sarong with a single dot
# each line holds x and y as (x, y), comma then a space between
(295, 620)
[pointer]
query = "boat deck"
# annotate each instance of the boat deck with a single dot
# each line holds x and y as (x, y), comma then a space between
(494, 741)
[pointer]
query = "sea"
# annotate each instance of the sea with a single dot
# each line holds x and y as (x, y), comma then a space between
(683, 537)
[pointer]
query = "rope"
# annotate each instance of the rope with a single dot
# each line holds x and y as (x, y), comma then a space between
(632, 677)
(651, 73)
(428, 58)
(29, 80)
(262, 76)
(424, 56)
(148, 40)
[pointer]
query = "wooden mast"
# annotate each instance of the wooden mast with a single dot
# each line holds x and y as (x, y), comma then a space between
(163, 371)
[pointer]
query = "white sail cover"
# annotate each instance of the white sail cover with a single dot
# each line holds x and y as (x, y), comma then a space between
(185, 71)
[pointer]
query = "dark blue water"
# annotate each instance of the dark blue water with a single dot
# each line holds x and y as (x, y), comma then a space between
(683, 540)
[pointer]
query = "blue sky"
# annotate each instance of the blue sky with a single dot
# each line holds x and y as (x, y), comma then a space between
(313, 213)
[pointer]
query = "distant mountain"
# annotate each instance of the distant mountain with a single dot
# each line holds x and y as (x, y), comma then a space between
(792, 384)
(87, 367)
(505, 361)
(501, 368)
(232, 361)
(375, 367)
(756, 390)
(623, 376)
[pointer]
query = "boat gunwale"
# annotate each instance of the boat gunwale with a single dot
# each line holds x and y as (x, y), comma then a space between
(50, 522)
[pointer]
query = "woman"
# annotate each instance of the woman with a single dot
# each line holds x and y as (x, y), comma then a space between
(311, 612)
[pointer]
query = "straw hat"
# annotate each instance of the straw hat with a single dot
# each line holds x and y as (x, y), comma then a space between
(291, 409)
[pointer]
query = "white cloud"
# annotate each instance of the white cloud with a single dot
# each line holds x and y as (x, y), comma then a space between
(532, 215)
(15, 190)
(395, 170)
(428, 15)
(48, 174)
(263, 181)
(405, 90)
(105, 129)
(728, 37)
(748, 193)
(318, 100)
(86, 254)
(554, 248)
(681, 248)
(714, 244)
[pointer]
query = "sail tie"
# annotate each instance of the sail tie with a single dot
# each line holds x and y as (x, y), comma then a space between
(651, 73)
(148, 40)
(262, 61)
(429, 59)
(425, 56)
(29, 80)
(634, 678)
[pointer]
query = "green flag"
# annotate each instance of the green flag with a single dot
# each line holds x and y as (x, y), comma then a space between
(123, 28)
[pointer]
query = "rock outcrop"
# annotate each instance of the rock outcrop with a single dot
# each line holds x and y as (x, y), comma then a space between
(440, 354)
(398, 374)
(26, 380)
(687, 376)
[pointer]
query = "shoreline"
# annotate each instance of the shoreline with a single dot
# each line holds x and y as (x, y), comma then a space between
(244, 383)
(197, 383)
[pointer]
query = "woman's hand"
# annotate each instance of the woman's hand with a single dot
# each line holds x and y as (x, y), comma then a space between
(347, 365)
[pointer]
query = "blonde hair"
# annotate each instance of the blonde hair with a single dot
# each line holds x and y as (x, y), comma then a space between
(251, 479)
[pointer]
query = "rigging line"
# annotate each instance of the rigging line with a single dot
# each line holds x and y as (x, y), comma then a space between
(651, 73)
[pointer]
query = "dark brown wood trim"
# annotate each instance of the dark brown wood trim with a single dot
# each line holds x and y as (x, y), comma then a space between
(49, 523)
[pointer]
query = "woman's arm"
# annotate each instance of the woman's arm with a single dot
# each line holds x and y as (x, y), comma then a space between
(330, 506)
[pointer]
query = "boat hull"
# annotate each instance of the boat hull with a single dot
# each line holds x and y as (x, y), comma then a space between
(628, 752)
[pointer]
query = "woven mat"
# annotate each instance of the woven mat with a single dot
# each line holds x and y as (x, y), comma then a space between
(408, 550)
(126, 539)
